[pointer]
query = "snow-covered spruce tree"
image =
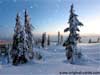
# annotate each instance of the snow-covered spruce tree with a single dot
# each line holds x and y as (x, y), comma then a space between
(17, 46)
(80, 40)
(90, 41)
(28, 39)
(61, 41)
(58, 37)
(48, 41)
(98, 40)
(72, 52)
(43, 42)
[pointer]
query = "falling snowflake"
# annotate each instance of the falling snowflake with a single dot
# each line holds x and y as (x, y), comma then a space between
(31, 7)
(15, 1)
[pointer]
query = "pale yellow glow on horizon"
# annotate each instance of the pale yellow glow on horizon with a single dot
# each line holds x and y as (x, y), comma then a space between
(91, 27)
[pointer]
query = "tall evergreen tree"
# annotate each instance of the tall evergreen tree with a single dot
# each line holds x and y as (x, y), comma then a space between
(28, 36)
(61, 41)
(79, 40)
(43, 42)
(90, 40)
(71, 42)
(48, 41)
(58, 37)
(98, 40)
(17, 46)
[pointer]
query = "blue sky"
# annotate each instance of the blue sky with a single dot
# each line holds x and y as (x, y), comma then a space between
(49, 16)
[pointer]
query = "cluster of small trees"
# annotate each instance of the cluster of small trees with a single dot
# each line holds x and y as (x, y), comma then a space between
(91, 41)
(45, 40)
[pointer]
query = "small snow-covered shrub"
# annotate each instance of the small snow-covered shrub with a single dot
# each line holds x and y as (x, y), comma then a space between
(79, 55)
(31, 55)
(37, 55)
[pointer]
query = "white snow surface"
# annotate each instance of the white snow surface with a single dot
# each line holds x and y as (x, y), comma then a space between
(54, 62)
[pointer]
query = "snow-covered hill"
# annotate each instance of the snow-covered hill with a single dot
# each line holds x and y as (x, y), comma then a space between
(54, 62)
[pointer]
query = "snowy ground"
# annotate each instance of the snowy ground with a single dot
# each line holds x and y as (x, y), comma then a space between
(54, 62)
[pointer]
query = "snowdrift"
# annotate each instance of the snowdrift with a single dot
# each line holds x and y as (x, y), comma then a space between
(54, 62)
